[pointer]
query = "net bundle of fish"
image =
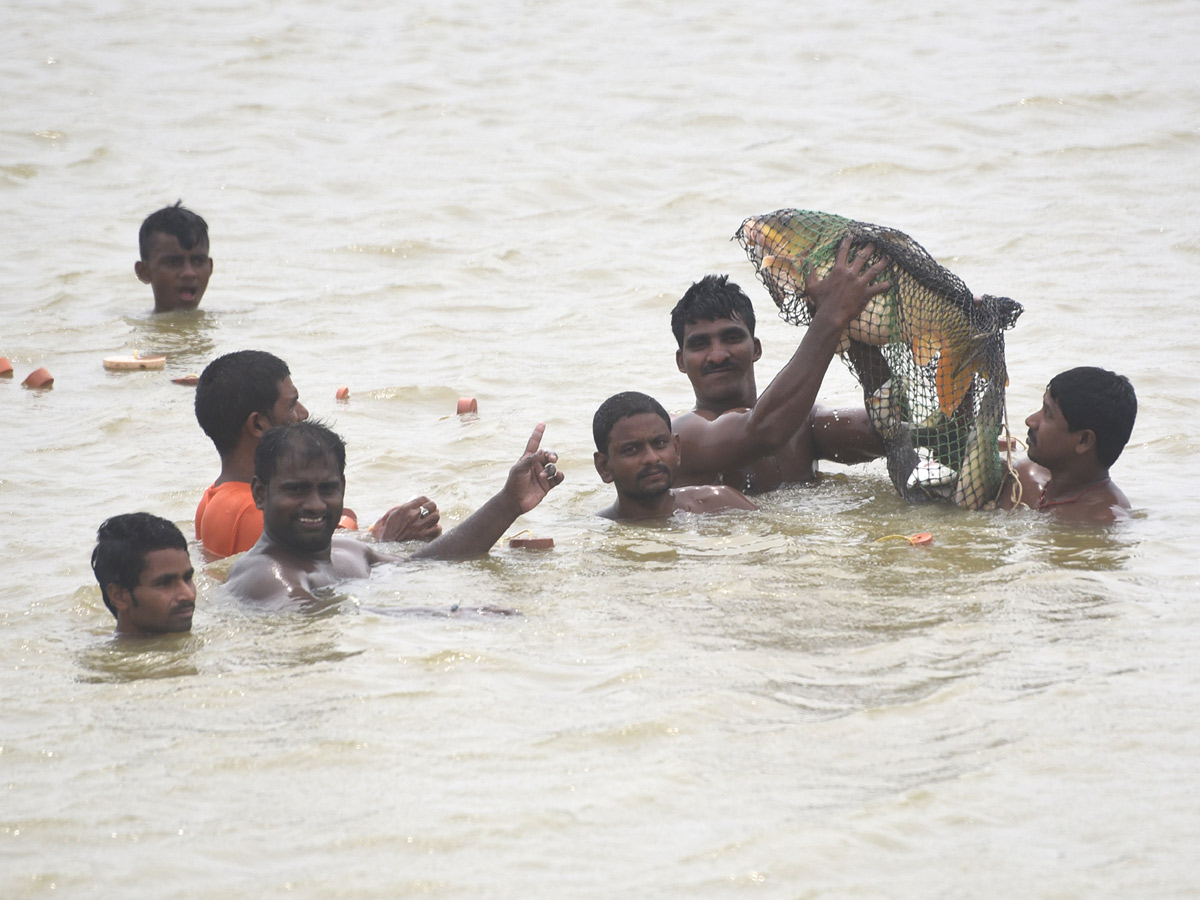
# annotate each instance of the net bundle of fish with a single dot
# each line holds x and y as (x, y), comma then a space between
(928, 353)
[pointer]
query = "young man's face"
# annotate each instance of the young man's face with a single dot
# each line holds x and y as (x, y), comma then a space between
(177, 277)
(302, 503)
(642, 457)
(716, 356)
(1051, 442)
(288, 409)
(163, 600)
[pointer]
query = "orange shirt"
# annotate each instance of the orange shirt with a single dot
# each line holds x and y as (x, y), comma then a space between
(227, 521)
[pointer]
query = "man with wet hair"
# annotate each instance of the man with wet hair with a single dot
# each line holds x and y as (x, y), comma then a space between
(637, 454)
(1085, 421)
(239, 397)
(173, 244)
(145, 575)
(757, 443)
(299, 483)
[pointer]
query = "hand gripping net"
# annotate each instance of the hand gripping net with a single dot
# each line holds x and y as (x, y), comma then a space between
(928, 354)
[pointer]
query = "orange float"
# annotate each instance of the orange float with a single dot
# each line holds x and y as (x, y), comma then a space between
(6, 368)
(343, 393)
(188, 380)
(467, 405)
(532, 543)
(349, 520)
(39, 378)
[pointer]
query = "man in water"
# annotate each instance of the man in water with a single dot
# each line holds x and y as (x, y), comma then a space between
(238, 398)
(141, 563)
(173, 243)
(1085, 421)
(637, 454)
(299, 482)
(754, 443)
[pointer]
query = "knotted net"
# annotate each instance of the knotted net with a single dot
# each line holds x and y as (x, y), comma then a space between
(928, 354)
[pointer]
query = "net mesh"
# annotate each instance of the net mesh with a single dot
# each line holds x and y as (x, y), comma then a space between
(928, 354)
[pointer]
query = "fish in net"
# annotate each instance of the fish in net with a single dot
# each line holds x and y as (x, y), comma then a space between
(928, 353)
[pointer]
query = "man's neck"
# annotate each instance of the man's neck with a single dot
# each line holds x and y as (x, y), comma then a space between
(711, 407)
(238, 464)
(1067, 483)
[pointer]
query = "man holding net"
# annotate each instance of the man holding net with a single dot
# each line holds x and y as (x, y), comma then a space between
(757, 443)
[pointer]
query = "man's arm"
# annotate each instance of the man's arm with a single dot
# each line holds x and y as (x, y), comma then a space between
(738, 438)
(533, 476)
(845, 435)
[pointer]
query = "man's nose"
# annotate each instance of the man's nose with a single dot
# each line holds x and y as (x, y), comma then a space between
(301, 412)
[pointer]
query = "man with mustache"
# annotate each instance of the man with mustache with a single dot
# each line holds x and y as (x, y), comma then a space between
(637, 454)
(1085, 421)
(145, 574)
(756, 443)
(299, 482)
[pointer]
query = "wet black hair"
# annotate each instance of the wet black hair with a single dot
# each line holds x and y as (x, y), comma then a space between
(233, 386)
(122, 544)
(187, 227)
(621, 406)
(711, 298)
(1101, 401)
(307, 441)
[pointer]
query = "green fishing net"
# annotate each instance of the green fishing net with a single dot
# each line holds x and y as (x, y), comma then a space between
(928, 354)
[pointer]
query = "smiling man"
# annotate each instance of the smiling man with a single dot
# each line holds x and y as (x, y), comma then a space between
(145, 575)
(637, 454)
(1085, 421)
(173, 243)
(756, 443)
(238, 398)
(299, 482)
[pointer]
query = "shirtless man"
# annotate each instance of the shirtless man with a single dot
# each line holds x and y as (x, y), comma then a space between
(299, 482)
(754, 443)
(141, 563)
(239, 396)
(1085, 421)
(637, 453)
(173, 243)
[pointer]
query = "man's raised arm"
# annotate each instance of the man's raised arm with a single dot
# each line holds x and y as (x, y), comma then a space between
(533, 476)
(740, 437)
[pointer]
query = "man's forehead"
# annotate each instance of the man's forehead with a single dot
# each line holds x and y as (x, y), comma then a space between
(306, 465)
(165, 559)
(638, 425)
(165, 242)
(732, 320)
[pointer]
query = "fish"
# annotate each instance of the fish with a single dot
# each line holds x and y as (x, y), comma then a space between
(928, 309)
(982, 472)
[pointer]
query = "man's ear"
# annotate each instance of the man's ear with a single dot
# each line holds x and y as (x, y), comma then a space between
(757, 349)
(601, 461)
(678, 442)
(257, 424)
(258, 490)
(142, 271)
(679, 360)
(120, 598)
(1085, 441)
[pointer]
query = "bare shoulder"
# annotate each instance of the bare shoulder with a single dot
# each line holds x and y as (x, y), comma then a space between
(262, 577)
(1099, 507)
(1022, 485)
(706, 498)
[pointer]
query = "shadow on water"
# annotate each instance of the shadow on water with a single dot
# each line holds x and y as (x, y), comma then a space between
(186, 338)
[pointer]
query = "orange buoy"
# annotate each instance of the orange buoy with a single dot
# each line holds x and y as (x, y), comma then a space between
(467, 405)
(349, 520)
(39, 378)
(924, 539)
(343, 393)
(6, 368)
(189, 380)
(532, 543)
